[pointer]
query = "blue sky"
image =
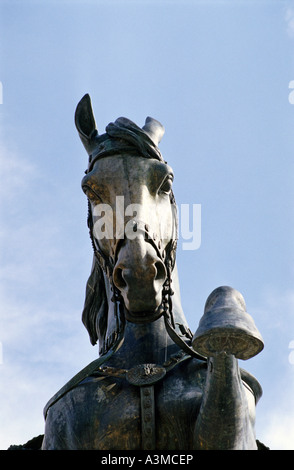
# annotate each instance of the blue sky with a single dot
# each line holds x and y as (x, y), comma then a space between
(216, 74)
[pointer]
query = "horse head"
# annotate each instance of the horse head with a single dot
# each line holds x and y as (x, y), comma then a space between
(133, 227)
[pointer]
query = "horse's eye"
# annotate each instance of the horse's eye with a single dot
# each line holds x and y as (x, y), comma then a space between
(166, 185)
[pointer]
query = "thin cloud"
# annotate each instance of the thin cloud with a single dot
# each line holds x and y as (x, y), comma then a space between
(42, 349)
(274, 370)
(277, 429)
(16, 174)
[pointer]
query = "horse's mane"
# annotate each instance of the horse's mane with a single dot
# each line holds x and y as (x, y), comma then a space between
(95, 311)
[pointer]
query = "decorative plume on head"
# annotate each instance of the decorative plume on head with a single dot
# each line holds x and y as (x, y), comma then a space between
(121, 136)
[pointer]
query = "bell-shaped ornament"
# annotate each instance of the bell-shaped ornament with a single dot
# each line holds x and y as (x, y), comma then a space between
(226, 327)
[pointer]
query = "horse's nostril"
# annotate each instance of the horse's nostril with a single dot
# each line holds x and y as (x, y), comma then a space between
(160, 271)
(119, 279)
(128, 277)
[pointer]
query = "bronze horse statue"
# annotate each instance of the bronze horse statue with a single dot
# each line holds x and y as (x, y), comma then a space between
(154, 386)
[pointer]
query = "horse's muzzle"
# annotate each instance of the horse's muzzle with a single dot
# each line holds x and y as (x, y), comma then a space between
(139, 274)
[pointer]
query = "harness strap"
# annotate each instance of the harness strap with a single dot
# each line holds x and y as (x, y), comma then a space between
(96, 368)
(148, 417)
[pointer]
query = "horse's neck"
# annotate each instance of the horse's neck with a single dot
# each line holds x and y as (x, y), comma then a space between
(149, 342)
(143, 343)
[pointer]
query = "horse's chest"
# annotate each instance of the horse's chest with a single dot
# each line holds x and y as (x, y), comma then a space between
(111, 414)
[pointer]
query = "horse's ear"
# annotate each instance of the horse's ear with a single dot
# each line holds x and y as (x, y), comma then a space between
(154, 129)
(85, 123)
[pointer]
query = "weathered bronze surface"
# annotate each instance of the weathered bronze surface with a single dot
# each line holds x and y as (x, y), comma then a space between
(226, 326)
(152, 386)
